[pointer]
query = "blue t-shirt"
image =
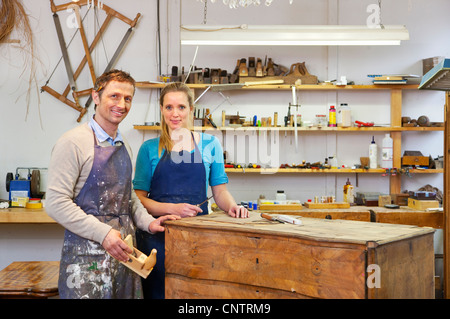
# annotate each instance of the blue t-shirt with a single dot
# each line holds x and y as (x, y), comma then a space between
(212, 156)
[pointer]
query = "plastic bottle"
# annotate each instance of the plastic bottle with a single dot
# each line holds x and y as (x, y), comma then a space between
(373, 154)
(348, 192)
(344, 116)
(281, 196)
(333, 162)
(332, 116)
(386, 152)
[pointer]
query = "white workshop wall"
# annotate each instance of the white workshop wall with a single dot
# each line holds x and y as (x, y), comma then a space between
(28, 135)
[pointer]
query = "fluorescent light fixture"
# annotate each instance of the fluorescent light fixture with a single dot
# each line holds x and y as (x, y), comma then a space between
(292, 35)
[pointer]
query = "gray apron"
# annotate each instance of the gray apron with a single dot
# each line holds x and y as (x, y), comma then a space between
(86, 269)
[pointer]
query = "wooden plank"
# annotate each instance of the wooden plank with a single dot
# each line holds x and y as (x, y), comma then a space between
(406, 269)
(421, 219)
(280, 207)
(180, 287)
(327, 205)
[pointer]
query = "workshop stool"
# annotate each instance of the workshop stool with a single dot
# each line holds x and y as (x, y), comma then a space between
(29, 279)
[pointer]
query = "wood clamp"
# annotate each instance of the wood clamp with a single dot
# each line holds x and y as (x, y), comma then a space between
(88, 49)
(138, 261)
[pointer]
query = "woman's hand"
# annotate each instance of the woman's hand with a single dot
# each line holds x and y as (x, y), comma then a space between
(238, 211)
(157, 225)
(185, 210)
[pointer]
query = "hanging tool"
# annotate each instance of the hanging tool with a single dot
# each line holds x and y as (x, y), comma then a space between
(284, 219)
(65, 54)
(110, 13)
(295, 105)
(116, 55)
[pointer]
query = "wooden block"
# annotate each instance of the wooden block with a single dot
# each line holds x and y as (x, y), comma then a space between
(327, 205)
(280, 207)
(384, 200)
(422, 204)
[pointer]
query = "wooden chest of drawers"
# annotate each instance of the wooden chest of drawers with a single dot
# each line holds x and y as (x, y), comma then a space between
(216, 256)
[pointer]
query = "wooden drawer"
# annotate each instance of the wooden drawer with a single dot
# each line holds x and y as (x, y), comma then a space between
(416, 160)
(216, 256)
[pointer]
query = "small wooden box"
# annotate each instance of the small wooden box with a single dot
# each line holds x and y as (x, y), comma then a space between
(422, 204)
(415, 160)
(216, 256)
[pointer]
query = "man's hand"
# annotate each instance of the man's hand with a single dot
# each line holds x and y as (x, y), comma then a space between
(157, 224)
(115, 246)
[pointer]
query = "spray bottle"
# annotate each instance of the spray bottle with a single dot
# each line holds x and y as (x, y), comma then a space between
(373, 154)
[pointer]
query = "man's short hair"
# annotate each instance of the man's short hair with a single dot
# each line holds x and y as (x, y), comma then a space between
(113, 75)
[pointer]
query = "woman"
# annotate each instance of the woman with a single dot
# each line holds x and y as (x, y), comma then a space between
(173, 173)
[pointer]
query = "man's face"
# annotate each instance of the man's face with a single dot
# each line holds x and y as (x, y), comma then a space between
(114, 103)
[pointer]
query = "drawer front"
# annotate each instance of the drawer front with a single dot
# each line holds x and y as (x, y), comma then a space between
(260, 266)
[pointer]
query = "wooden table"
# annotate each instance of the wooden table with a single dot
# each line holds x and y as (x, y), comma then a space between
(29, 279)
(216, 256)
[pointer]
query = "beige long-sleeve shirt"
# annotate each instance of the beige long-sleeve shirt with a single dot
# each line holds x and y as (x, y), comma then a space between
(70, 165)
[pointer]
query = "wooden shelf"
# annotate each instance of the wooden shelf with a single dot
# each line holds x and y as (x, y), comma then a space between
(19, 215)
(319, 87)
(302, 129)
(323, 171)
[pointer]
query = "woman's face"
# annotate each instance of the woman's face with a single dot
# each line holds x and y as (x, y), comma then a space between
(176, 110)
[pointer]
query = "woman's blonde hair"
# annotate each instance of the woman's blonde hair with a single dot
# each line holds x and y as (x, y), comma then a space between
(165, 142)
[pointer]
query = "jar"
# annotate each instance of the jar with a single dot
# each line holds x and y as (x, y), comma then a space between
(321, 120)
(344, 116)
(281, 196)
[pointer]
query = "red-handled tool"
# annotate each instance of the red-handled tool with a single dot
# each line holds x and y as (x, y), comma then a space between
(365, 124)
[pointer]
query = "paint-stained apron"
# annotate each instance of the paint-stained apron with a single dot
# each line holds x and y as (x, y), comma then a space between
(179, 177)
(86, 269)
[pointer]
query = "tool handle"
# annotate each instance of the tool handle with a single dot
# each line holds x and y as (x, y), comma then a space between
(263, 215)
(150, 261)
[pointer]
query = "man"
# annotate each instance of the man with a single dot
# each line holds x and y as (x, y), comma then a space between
(90, 194)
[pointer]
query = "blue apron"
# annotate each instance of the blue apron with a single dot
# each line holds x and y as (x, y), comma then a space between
(86, 269)
(179, 177)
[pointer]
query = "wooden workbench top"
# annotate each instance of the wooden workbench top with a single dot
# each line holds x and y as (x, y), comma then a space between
(20, 215)
(404, 215)
(347, 231)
